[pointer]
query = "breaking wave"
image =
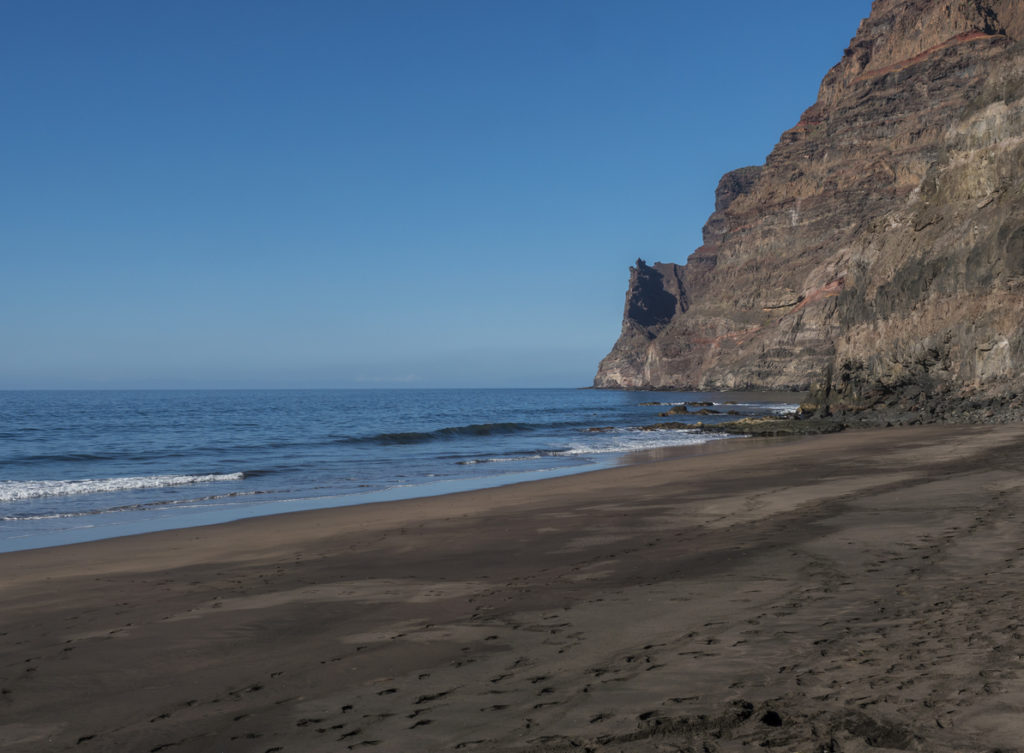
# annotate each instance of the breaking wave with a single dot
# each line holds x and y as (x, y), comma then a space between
(14, 491)
(624, 441)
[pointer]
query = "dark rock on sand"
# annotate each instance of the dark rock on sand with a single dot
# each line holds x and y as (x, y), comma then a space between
(774, 426)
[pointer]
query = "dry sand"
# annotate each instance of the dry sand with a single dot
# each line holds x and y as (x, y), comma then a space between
(855, 592)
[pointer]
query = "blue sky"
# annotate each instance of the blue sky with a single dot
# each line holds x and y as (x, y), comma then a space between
(368, 194)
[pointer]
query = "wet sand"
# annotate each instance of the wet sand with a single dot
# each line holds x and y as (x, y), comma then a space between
(853, 592)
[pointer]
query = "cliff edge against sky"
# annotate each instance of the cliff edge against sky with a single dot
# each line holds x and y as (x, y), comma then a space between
(877, 257)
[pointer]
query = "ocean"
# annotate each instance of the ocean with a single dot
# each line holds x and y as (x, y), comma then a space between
(83, 465)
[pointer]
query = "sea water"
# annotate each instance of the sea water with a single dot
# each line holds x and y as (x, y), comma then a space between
(81, 465)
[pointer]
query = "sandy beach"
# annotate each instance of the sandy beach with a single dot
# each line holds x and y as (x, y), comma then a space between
(853, 592)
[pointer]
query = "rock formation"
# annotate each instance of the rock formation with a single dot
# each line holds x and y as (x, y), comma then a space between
(877, 257)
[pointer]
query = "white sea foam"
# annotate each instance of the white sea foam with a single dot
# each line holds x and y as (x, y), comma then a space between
(15, 491)
(777, 408)
(780, 408)
(760, 408)
(621, 441)
(515, 459)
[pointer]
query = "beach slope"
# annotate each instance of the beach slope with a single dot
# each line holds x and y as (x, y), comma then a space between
(852, 592)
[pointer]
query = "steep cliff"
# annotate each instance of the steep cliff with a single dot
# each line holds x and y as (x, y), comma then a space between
(878, 255)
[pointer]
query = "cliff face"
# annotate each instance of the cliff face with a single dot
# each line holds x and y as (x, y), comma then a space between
(880, 249)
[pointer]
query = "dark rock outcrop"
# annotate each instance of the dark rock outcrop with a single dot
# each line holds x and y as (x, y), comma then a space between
(877, 257)
(656, 294)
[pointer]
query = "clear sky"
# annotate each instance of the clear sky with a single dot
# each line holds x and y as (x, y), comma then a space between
(368, 193)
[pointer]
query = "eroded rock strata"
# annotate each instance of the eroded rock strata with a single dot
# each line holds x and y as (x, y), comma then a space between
(877, 257)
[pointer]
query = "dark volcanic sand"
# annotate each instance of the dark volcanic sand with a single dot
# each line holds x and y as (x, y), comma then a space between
(854, 592)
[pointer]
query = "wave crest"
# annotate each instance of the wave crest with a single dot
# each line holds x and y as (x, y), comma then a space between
(449, 432)
(16, 491)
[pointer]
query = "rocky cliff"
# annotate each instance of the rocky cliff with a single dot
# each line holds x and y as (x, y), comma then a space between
(877, 257)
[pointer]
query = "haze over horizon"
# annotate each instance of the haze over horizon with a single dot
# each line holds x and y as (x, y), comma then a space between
(340, 194)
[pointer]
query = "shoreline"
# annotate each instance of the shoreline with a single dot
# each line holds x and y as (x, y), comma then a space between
(220, 514)
(834, 590)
